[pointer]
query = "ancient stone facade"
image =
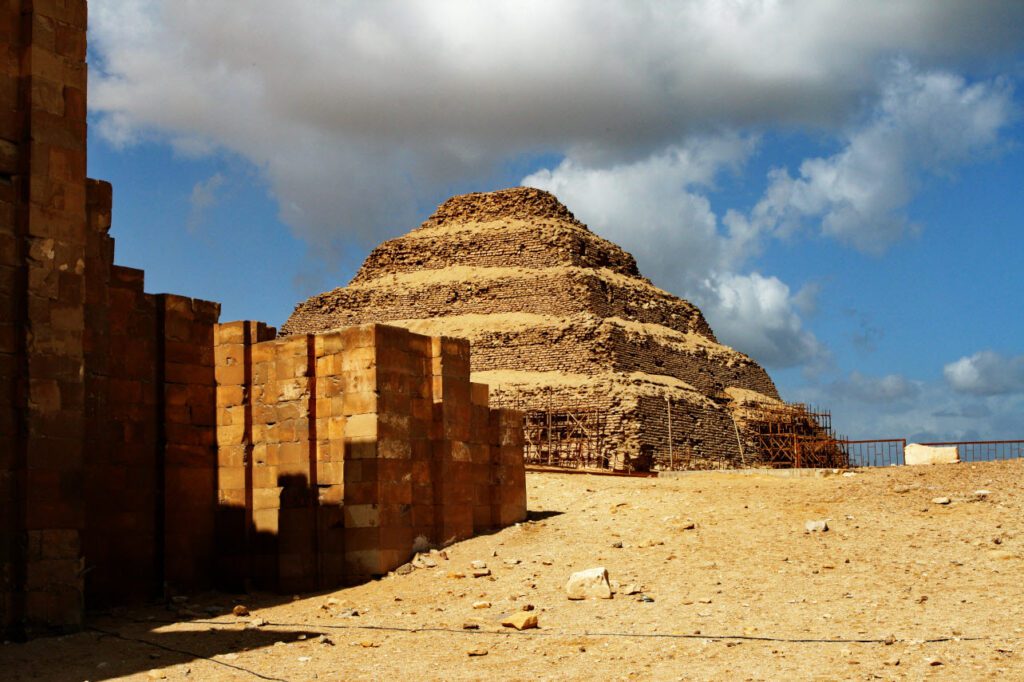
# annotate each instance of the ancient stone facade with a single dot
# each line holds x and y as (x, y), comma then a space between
(145, 449)
(340, 452)
(558, 317)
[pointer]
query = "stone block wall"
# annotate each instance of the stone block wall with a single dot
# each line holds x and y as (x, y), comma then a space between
(340, 452)
(136, 436)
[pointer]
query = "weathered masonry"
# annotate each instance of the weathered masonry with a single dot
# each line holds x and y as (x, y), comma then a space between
(145, 448)
(560, 320)
(338, 453)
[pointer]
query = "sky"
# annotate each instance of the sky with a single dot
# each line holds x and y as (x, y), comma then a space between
(837, 185)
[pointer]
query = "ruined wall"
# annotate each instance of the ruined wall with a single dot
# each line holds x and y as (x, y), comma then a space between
(42, 232)
(99, 459)
(337, 451)
(119, 436)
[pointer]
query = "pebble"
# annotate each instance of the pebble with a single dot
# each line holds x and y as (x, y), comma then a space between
(816, 526)
(405, 569)
(305, 659)
(478, 564)
(348, 613)
(481, 572)
(617, 545)
(477, 652)
(941, 500)
(481, 605)
(240, 610)
(520, 620)
(470, 626)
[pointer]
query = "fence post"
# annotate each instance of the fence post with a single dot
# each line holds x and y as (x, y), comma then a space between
(671, 454)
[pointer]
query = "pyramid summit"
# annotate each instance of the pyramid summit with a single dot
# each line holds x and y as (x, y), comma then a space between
(558, 317)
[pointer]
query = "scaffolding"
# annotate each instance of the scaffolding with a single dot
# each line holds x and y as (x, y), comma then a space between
(794, 435)
(566, 438)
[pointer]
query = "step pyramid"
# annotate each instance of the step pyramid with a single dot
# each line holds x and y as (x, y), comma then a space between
(558, 318)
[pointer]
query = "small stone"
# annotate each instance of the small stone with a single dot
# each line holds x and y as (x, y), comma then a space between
(617, 545)
(305, 659)
(511, 562)
(941, 500)
(631, 588)
(477, 652)
(527, 607)
(367, 644)
(900, 489)
(325, 640)
(456, 574)
(982, 493)
(1001, 554)
(481, 572)
(934, 662)
(689, 525)
(405, 569)
(816, 526)
(481, 605)
(646, 599)
(256, 623)
(588, 584)
(470, 626)
(156, 675)
(478, 564)
(240, 610)
(348, 613)
(424, 561)
(520, 620)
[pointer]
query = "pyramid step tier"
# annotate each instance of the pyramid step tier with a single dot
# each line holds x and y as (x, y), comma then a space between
(563, 291)
(506, 243)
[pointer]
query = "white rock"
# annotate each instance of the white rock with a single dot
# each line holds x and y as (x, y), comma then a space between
(915, 454)
(816, 526)
(941, 500)
(589, 584)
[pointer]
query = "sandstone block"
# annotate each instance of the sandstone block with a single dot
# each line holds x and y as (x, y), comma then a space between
(589, 584)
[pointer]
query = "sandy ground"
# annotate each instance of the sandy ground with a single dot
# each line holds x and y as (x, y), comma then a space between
(746, 594)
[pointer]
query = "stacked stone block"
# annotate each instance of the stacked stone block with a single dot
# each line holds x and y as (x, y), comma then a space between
(128, 449)
(42, 252)
(365, 443)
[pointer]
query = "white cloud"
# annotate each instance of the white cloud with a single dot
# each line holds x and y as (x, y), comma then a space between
(357, 111)
(756, 315)
(986, 373)
(925, 122)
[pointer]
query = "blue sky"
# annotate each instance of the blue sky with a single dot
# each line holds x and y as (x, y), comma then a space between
(837, 185)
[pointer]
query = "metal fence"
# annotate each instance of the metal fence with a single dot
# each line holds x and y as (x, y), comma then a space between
(882, 452)
(987, 450)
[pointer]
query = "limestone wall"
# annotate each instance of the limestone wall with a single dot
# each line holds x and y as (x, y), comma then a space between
(337, 451)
